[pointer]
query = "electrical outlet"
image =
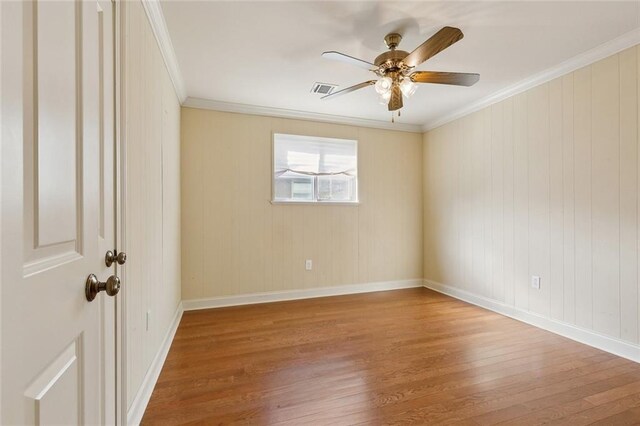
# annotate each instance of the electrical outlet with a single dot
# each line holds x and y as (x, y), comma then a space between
(308, 264)
(535, 282)
(148, 320)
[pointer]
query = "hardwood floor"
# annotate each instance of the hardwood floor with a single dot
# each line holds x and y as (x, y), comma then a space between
(397, 357)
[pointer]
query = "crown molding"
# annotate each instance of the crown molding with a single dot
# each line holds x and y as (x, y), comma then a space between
(159, 26)
(602, 51)
(154, 13)
(298, 115)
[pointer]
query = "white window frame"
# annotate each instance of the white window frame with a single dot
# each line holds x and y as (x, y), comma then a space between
(316, 201)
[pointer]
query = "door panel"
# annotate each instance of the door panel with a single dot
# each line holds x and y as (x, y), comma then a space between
(58, 349)
(52, 140)
(57, 104)
(54, 395)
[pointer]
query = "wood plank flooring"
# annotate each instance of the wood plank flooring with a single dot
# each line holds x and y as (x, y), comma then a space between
(397, 357)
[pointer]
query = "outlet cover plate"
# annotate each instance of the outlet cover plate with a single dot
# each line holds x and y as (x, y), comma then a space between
(535, 282)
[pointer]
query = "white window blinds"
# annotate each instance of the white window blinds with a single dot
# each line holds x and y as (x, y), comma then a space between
(314, 169)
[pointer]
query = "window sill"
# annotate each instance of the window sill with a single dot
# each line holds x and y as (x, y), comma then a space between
(317, 203)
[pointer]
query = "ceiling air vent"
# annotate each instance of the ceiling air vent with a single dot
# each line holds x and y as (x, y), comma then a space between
(323, 88)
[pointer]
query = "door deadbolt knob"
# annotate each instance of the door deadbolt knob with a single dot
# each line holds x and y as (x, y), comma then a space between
(93, 286)
(114, 256)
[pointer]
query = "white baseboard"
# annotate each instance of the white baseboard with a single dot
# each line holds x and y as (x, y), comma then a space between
(582, 335)
(139, 404)
(279, 296)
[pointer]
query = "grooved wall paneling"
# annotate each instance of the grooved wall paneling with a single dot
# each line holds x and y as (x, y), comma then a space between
(152, 222)
(234, 241)
(544, 183)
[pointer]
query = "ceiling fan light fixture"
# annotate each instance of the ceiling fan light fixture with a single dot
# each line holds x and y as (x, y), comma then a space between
(395, 69)
(408, 87)
(384, 85)
(384, 97)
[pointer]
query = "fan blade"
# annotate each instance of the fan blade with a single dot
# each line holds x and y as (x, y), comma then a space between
(436, 44)
(395, 102)
(437, 77)
(349, 89)
(337, 56)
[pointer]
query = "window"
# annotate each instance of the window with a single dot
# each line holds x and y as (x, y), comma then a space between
(314, 169)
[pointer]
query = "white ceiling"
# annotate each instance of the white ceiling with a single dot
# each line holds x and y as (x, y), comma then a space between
(268, 53)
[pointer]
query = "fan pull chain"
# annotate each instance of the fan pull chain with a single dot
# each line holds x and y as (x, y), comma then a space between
(392, 118)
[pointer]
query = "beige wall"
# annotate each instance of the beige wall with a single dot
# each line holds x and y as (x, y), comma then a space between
(544, 183)
(234, 241)
(152, 273)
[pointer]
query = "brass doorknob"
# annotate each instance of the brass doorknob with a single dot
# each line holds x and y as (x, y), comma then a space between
(114, 256)
(93, 286)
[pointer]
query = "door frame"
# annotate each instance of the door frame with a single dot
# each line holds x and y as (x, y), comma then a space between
(120, 197)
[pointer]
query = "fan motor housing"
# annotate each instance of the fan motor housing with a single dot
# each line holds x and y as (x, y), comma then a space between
(391, 61)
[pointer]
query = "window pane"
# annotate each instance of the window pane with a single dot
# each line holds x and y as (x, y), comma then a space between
(302, 190)
(336, 188)
(314, 169)
(324, 188)
(294, 189)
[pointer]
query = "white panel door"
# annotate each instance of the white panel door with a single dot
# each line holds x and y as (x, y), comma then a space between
(57, 182)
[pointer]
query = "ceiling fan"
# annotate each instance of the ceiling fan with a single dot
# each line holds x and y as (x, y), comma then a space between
(395, 68)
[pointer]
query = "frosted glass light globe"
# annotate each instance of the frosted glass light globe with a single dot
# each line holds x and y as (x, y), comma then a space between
(384, 98)
(383, 85)
(408, 87)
